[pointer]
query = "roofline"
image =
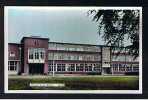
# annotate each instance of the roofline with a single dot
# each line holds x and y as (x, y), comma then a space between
(76, 44)
(70, 44)
(63, 42)
(15, 43)
(84, 44)
(35, 38)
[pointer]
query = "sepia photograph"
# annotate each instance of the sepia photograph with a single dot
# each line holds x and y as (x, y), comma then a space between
(96, 50)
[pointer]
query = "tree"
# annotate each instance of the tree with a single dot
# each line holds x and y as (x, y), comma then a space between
(117, 25)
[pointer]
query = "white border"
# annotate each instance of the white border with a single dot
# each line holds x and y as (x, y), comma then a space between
(6, 8)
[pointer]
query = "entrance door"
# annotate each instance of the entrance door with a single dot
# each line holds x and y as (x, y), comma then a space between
(106, 70)
(36, 68)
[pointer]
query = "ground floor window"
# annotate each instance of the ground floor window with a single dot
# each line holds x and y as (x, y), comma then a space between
(128, 67)
(121, 67)
(60, 67)
(86, 67)
(125, 67)
(135, 67)
(50, 67)
(92, 67)
(97, 67)
(79, 68)
(71, 67)
(12, 65)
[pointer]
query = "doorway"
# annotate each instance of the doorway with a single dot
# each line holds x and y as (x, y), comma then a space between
(106, 70)
(36, 68)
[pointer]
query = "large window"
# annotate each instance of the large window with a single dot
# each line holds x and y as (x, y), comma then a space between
(36, 53)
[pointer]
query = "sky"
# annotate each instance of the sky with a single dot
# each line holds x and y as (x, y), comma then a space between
(59, 25)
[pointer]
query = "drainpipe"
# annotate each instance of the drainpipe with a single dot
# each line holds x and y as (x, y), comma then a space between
(19, 67)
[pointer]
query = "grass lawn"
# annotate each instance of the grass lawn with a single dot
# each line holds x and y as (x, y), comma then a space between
(76, 82)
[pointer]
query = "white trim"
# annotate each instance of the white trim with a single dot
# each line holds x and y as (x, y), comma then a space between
(6, 8)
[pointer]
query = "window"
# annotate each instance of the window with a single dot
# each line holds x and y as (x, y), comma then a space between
(76, 57)
(36, 53)
(136, 69)
(31, 54)
(50, 67)
(50, 56)
(12, 54)
(63, 67)
(79, 68)
(89, 57)
(80, 57)
(60, 56)
(71, 67)
(128, 67)
(42, 55)
(121, 67)
(72, 57)
(115, 67)
(60, 67)
(12, 65)
(88, 67)
(97, 57)
(69, 57)
(97, 67)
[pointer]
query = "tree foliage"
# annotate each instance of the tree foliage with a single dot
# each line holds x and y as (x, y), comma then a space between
(117, 25)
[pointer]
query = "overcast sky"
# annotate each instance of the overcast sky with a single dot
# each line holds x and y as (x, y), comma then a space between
(60, 25)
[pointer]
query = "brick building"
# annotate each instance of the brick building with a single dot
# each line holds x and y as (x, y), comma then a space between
(35, 55)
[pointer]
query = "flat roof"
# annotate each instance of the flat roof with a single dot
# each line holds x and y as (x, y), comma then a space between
(35, 37)
(14, 43)
(76, 44)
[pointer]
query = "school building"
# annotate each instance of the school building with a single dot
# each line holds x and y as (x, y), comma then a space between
(36, 55)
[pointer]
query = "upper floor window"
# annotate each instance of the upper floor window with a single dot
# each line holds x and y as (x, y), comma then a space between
(12, 54)
(36, 53)
(31, 54)
(42, 55)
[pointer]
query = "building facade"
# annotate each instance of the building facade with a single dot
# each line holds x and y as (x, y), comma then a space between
(35, 55)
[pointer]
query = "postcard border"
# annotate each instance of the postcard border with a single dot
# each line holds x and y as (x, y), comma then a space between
(70, 91)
